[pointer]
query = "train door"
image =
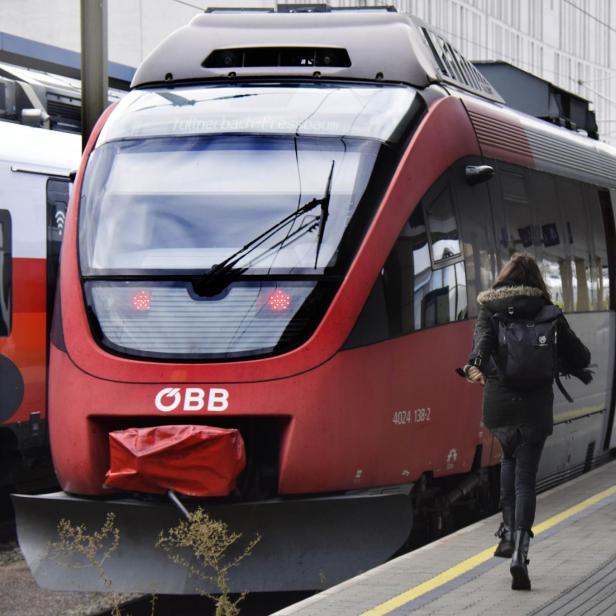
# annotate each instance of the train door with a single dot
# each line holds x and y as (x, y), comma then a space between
(604, 238)
(550, 217)
(11, 381)
(474, 213)
(472, 203)
(23, 318)
(57, 204)
(562, 211)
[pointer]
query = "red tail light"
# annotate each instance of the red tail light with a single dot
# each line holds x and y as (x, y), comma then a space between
(141, 301)
(279, 301)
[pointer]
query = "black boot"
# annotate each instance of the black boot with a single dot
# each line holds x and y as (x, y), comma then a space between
(519, 560)
(504, 549)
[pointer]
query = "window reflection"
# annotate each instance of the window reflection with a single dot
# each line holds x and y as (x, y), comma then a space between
(561, 224)
(443, 227)
(516, 234)
(443, 298)
(424, 286)
(551, 248)
(577, 238)
(420, 294)
(600, 288)
(476, 235)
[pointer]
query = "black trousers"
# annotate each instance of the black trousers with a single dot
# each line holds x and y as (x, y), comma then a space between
(522, 449)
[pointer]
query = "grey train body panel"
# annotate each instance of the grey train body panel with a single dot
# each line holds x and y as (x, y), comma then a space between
(580, 427)
(549, 148)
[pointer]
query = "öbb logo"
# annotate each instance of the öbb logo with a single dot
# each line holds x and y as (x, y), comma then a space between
(194, 399)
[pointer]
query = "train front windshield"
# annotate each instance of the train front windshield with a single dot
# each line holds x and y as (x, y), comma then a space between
(216, 222)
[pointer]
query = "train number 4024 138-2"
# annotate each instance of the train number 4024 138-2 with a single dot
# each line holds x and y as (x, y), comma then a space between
(420, 415)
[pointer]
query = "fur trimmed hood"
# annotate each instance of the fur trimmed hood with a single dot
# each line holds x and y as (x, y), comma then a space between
(523, 301)
(504, 293)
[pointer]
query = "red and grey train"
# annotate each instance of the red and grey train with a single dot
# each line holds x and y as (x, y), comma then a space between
(281, 230)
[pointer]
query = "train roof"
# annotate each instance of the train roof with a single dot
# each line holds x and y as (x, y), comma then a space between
(368, 45)
(503, 131)
(38, 148)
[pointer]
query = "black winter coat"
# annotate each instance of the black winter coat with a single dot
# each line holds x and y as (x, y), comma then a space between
(503, 406)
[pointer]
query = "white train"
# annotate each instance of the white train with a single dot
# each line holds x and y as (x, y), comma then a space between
(35, 166)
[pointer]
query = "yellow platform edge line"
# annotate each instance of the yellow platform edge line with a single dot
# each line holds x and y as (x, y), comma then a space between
(474, 561)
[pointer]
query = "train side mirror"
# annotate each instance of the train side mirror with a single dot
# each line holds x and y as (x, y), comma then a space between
(476, 174)
(72, 174)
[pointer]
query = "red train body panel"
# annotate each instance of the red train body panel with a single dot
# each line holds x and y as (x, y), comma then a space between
(334, 437)
(26, 347)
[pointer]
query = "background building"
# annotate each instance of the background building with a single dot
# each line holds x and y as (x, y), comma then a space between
(571, 43)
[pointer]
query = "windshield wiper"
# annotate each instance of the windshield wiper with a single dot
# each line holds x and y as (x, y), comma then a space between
(217, 278)
(324, 212)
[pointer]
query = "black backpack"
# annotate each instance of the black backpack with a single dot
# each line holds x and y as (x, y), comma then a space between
(527, 355)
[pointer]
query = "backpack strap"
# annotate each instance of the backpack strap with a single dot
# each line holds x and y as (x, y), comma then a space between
(563, 391)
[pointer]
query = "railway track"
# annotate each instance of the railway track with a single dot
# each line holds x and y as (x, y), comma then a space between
(255, 604)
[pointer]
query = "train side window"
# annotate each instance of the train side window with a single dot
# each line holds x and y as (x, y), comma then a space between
(444, 239)
(444, 297)
(407, 267)
(518, 234)
(6, 273)
(550, 238)
(511, 212)
(476, 232)
(423, 281)
(577, 238)
(421, 291)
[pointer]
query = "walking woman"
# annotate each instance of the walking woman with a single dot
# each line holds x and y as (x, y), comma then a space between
(520, 417)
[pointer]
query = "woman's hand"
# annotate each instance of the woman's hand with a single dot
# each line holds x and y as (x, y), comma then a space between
(474, 375)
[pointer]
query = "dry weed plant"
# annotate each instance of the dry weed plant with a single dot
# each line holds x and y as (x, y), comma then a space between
(208, 540)
(93, 549)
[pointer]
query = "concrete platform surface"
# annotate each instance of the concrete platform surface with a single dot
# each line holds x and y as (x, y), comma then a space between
(572, 566)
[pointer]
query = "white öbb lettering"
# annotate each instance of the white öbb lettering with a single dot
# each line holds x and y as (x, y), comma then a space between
(194, 399)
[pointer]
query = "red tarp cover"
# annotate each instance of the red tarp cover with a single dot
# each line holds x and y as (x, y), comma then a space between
(192, 460)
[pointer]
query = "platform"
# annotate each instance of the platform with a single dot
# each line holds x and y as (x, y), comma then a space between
(572, 566)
